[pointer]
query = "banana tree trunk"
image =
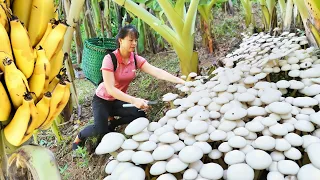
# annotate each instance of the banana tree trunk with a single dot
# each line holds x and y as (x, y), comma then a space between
(107, 17)
(79, 44)
(288, 16)
(88, 21)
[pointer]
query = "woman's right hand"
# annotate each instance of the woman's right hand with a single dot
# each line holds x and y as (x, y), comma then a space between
(140, 103)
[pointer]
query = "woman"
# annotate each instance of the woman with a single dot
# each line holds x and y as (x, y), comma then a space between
(111, 93)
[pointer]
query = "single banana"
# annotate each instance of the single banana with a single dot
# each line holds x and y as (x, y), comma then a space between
(5, 48)
(41, 13)
(15, 130)
(60, 106)
(51, 43)
(44, 37)
(37, 160)
(22, 9)
(38, 77)
(5, 105)
(4, 16)
(34, 120)
(56, 64)
(57, 96)
(16, 82)
(43, 108)
(23, 53)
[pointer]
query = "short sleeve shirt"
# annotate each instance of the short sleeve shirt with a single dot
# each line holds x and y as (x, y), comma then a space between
(123, 75)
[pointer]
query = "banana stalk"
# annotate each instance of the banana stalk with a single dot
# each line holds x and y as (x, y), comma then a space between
(96, 14)
(248, 11)
(56, 131)
(288, 16)
(35, 161)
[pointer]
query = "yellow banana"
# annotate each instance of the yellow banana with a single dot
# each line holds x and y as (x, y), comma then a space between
(4, 16)
(34, 118)
(22, 9)
(5, 105)
(60, 105)
(41, 13)
(16, 82)
(56, 64)
(5, 48)
(51, 43)
(48, 30)
(38, 78)
(15, 130)
(57, 96)
(43, 108)
(23, 53)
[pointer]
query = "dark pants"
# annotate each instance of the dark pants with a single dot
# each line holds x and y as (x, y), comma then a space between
(102, 109)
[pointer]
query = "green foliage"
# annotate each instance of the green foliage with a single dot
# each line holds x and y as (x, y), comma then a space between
(84, 157)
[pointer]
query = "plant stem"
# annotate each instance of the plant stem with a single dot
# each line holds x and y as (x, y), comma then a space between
(3, 157)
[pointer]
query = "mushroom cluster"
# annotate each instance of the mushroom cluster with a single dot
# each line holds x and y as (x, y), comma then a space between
(256, 118)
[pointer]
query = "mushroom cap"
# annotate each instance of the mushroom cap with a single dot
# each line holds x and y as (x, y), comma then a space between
(235, 113)
(308, 172)
(280, 107)
(256, 111)
(158, 168)
(142, 136)
(237, 142)
(133, 173)
(215, 154)
(168, 137)
(241, 131)
(190, 174)
(293, 154)
(294, 139)
(313, 154)
(162, 152)
(211, 171)
(142, 157)
(130, 144)
(169, 97)
(278, 129)
(125, 155)
(173, 113)
(240, 171)
(277, 156)
(121, 167)
(282, 145)
(175, 165)
(265, 142)
(190, 154)
(258, 159)
(167, 177)
(268, 121)
(304, 126)
(254, 126)
(110, 143)
(282, 84)
(148, 146)
(204, 146)
(218, 135)
(111, 166)
(234, 157)
(136, 126)
(275, 175)
(315, 118)
(178, 146)
(197, 127)
(288, 167)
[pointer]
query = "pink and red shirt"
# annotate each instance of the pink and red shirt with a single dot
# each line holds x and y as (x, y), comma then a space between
(123, 75)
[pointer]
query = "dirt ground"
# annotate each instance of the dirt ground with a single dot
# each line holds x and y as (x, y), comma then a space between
(90, 166)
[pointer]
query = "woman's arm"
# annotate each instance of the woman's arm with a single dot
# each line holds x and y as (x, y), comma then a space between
(108, 80)
(160, 74)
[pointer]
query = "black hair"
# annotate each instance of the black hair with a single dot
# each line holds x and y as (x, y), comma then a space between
(125, 31)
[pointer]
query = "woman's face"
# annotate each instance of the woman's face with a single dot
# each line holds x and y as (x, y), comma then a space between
(128, 43)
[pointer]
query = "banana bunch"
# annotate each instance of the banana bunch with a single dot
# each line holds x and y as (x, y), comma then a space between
(34, 88)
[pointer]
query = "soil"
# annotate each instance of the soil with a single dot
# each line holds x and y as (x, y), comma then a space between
(90, 166)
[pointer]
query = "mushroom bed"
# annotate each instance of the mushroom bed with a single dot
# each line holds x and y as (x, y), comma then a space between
(256, 118)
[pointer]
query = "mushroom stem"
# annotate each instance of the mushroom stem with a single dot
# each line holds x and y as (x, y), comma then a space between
(268, 78)
(257, 174)
(293, 93)
(305, 159)
(172, 105)
(147, 171)
(114, 154)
